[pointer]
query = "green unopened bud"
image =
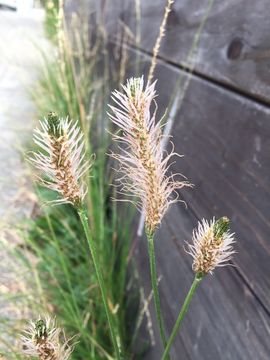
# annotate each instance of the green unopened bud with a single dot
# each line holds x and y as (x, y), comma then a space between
(53, 120)
(41, 329)
(221, 226)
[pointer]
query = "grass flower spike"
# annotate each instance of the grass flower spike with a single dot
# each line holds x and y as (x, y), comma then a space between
(42, 340)
(212, 245)
(144, 163)
(63, 164)
(62, 158)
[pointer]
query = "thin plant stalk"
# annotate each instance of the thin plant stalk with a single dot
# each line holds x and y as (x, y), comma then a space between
(64, 294)
(143, 165)
(63, 263)
(63, 164)
(154, 282)
(92, 247)
(162, 31)
(197, 279)
(138, 33)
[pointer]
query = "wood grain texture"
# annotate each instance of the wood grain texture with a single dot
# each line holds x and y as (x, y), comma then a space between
(226, 144)
(224, 133)
(224, 320)
(225, 140)
(234, 46)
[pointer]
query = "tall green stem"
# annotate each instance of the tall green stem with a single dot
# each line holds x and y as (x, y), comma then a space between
(154, 281)
(93, 250)
(181, 315)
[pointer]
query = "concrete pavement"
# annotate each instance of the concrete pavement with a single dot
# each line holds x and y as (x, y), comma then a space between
(20, 36)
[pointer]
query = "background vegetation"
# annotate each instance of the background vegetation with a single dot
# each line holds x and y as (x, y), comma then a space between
(62, 282)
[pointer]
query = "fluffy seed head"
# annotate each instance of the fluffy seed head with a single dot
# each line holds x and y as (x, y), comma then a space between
(212, 245)
(143, 162)
(42, 339)
(62, 158)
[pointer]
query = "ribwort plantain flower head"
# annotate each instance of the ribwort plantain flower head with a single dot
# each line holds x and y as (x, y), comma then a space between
(143, 162)
(61, 158)
(212, 245)
(42, 339)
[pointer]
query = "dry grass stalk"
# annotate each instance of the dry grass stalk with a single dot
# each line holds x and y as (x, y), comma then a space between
(162, 31)
(143, 162)
(138, 32)
(138, 21)
(124, 36)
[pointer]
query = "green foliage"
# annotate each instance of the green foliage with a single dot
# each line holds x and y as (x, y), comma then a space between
(65, 268)
(68, 279)
(56, 90)
(65, 284)
(51, 18)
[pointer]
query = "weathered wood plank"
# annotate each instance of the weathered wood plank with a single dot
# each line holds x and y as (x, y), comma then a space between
(225, 139)
(224, 321)
(234, 45)
(226, 144)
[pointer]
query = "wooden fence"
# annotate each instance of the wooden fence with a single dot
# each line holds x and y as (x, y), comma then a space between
(223, 129)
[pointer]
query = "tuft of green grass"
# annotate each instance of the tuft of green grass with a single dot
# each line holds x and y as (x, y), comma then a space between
(68, 282)
(55, 252)
(65, 269)
(51, 18)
